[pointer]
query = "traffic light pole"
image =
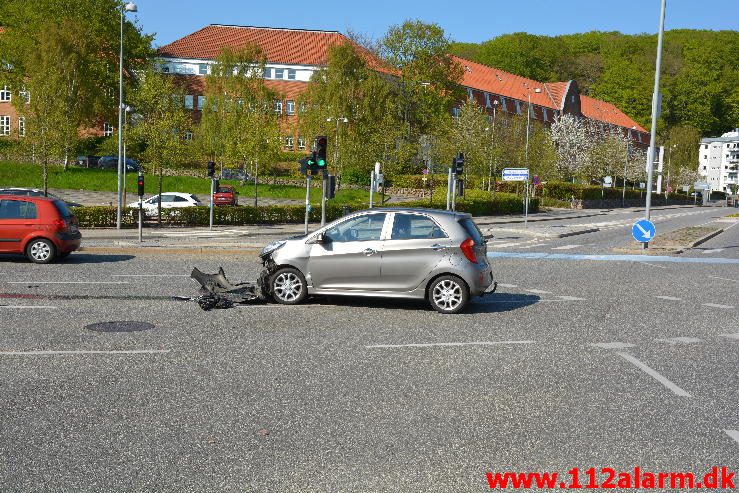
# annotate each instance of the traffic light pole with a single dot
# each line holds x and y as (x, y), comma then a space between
(448, 189)
(454, 192)
(323, 198)
(307, 202)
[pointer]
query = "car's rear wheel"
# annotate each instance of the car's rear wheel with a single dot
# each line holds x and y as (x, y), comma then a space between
(288, 286)
(448, 294)
(40, 251)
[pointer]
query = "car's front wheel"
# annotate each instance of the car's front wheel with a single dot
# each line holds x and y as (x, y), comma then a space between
(40, 251)
(288, 286)
(449, 294)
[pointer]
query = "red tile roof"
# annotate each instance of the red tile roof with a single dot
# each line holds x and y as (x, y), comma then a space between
(499, 82)
(595, 109)
(289, 46)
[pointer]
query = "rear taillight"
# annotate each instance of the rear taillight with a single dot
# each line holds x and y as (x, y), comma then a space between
(60, 224)
(468, 248)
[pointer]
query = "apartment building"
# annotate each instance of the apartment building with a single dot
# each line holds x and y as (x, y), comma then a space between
(718, 161)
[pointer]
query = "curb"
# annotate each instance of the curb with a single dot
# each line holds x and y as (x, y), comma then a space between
(579, 232)
(705, 238)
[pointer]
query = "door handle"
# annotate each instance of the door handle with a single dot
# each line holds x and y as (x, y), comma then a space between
(436, 247)
(369, 251)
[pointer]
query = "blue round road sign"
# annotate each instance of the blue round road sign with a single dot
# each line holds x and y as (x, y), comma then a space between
(643, 231)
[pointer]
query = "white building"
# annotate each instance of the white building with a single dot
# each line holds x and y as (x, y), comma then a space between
(718, 160)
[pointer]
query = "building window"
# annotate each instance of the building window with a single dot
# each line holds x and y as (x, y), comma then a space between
(165, 69)
(290, 107)
(5, 95)
(21, 126)
(289, 143)
(278, 106)
(4, 125)
(107, 129)
(203, 68)
(267, 73)
(201, 102)
(302, 107)
(705, 156)
(279, 73)
(301, 143)
(518, 106)
(188, 135)
(456, 112)
(503, 105)
(25, 95)
(189, 101)
(292, 74)
(487, 100)
(545, 115)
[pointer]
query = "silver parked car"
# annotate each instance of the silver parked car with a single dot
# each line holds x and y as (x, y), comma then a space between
(396, 253)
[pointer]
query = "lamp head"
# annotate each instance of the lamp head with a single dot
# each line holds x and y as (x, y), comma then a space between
(130, 7)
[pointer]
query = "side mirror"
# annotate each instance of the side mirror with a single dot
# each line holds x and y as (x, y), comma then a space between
(319, 239)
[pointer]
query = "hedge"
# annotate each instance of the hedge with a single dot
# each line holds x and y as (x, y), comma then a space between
(97, 217)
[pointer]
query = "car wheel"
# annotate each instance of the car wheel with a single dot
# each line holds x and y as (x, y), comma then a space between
(288, 286)
(40, 251)
(449, 294)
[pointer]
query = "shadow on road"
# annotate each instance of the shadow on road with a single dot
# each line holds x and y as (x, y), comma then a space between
(75, 258)
(494, 303)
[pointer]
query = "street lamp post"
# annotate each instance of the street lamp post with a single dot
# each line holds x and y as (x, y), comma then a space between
(127, 7)
(492, 145)
(124, 128)
(626, 162)
(528, 124)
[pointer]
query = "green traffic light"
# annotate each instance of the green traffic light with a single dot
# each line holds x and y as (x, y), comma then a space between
(321, 163)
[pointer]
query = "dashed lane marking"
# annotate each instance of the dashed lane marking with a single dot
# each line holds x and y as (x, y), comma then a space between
(680, 340)
(613, 258)
(717, 305)
(538, 291)
(731, 336)
(724, 279)
(712, 250)
(654, 265)
(566, 247)
(66, 282)
(150, 275)
(570, 298)
(669, 298)
(734, 434)
(508, 286)
(447, 344)
(27, 307)
(652, 373)
(612, 345)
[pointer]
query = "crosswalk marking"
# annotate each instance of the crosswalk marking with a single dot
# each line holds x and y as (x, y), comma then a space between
(565, 247)
(716, 305)
(669, 298)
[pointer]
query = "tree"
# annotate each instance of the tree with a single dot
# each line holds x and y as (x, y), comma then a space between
(160, 124)
(467, 133)
(572, 141)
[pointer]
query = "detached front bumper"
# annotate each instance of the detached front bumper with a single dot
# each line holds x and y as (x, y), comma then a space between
(491, 289)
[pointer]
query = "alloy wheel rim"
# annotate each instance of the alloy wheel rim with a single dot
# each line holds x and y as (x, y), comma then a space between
(287, 286)
(40, 250)
(447, 295)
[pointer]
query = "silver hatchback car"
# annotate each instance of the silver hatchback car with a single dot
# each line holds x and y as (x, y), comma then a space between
(395, 253)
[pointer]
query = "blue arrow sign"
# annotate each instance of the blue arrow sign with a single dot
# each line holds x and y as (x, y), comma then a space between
(643, 231)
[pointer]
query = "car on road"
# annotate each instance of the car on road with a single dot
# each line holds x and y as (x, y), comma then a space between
(435, 255)
(42, 228)
(111, 162)
(170, 200)
(226, 195)
(87, 161)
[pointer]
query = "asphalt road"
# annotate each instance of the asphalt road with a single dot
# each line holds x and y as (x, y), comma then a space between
(573, 363)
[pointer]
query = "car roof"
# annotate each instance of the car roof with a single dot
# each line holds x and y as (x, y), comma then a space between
(436, 212)
(21, 188)
(27, 197)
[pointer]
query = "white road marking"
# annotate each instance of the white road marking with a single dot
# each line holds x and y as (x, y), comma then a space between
(716, 305)
(733, 434)
(449, 344)
(654, 265)
(669, 298)
(652, 373)
(66, 282)
(501, 285)
(731, 336)
(28, 307)
(612, 345)
(570, 298)
(65, 353)
(724, 279)
(538, 291)
(680, 340)
(712, 250)
(566, 247)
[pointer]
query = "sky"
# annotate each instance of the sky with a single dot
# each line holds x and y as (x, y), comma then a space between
(467, 21)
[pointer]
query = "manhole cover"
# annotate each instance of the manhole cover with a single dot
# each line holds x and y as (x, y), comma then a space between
(119, 326)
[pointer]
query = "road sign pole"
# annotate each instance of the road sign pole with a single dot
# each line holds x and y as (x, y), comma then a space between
(454, 192)
(307, 201)
(526, 207)
(372, 188)
(655, 110)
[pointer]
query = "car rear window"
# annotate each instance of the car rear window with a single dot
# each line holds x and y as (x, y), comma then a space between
(62, 208)
(225, 189)
(472, 230)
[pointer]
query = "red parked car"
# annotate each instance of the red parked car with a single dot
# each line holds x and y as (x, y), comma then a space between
(226, 195)
(42, 228)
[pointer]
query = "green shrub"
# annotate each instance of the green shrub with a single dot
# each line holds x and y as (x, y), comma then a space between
(104, 216)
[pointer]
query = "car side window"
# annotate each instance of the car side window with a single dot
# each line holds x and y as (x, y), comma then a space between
(177, 198)
(167, 198)
(415, 227)
(17, 209)
(367, 227)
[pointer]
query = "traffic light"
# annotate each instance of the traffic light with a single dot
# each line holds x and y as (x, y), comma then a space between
(141, 184)
(321, 144)
(458, 163)
(211, 169)
(304, 165)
